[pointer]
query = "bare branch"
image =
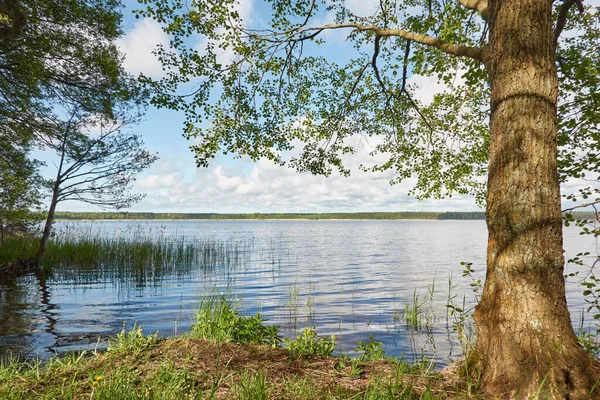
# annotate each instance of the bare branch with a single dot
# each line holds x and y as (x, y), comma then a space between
(481, 6)
(446, 47)
(563, 13)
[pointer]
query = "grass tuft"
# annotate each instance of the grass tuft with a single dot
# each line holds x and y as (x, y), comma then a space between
(308, 344)
(218, 320)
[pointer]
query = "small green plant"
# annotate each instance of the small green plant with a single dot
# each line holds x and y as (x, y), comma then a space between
(133, 341)
(219, 321)
(391, 387)
(11, 368)
(413, 313)
(463, 323)
(352, 367)
(308, 344)
(590, 344)
(371, 350)
(66, 362)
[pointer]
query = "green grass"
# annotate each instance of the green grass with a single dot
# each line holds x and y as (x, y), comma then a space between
(234, 363)
(251, 386)
(218, 320)
(371, 350)
(309, 344)
(414, 313)
(134, 372)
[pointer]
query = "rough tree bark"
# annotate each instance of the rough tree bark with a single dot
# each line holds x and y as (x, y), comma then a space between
(525, 337)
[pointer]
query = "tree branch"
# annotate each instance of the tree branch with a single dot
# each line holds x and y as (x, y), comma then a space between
(404, 76)
(481, 6)
(563, 13)
(585, 205)
(446, 47)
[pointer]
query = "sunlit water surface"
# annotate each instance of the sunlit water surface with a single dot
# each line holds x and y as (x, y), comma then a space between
(352, 279)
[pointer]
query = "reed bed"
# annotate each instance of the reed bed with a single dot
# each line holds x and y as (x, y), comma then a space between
(121, 256)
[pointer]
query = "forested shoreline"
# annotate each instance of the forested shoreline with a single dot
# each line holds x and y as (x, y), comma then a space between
(445, 215)
(265, 216)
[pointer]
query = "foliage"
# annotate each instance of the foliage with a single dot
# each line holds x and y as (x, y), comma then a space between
(463, 323)
(372, 350)
(132, 342)
(219, 321)
(414, 313)
(353, 367)
(130, 259)
(20, 186)
(172, 372)
(251, 387)
(308, 344)
(585, 261)
(590, 344)
(51, 52)
(276, 88)
(62, 77)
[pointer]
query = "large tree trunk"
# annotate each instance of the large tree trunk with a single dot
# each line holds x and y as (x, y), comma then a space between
(525, 339)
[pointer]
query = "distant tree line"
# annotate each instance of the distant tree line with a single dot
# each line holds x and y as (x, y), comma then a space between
(265, 216)
(447, 215)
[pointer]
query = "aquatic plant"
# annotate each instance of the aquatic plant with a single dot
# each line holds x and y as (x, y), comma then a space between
(309, 344)
(218, 320)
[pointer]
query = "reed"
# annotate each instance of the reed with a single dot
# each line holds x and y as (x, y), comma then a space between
(142, 257)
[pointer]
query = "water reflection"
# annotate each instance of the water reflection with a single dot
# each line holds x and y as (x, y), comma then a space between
(352, 279)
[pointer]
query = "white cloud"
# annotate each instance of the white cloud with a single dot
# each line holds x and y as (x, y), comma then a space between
(363, 8)
(138, 44)
(245, 9)
(156, 182)
(243, 186)
(426, 87)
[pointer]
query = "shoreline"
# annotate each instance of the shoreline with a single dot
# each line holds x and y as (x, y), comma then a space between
(365, 216)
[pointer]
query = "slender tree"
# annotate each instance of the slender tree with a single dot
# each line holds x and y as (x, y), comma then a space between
(266, 87)
(60, 58)
(96, 169)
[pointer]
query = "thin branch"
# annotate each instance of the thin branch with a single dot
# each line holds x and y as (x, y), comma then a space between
(374, 62)
(405, 66)
(593, 203)
(481, 6)
(384, 13)
(563, 13)
(446, 47)
(309, 13)
(404, 75)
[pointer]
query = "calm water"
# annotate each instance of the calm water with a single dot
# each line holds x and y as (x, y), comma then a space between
(352, 279)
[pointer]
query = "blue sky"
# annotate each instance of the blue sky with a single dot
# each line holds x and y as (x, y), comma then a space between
(175, 184)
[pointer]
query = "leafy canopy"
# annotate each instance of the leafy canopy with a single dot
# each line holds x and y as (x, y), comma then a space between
(261, 90)
(59, 60)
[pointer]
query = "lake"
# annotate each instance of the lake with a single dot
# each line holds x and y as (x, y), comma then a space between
(352, 279)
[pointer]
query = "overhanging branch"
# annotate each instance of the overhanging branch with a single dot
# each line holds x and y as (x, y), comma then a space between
(481, 6)
(446, 47)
